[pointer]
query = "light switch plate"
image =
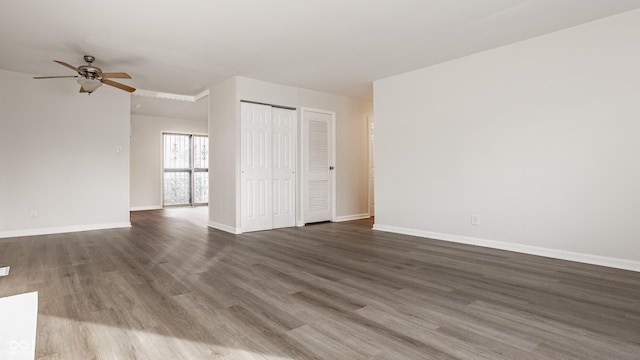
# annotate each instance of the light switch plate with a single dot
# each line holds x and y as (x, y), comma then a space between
(4, 271)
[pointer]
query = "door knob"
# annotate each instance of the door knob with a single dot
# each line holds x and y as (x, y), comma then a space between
(331, 167)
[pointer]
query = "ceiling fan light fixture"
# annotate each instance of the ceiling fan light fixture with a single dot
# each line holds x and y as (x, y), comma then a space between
(89, 85)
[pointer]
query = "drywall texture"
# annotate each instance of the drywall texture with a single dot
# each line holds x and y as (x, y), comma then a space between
(351, 140)
(59, 155)
(146, 155)
(539, 138)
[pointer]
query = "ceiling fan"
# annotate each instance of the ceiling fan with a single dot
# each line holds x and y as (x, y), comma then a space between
(91, 78)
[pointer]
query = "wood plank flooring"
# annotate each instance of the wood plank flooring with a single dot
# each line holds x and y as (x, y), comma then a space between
(169, 288)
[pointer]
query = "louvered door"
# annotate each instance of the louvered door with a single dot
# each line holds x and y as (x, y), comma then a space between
(318, 166)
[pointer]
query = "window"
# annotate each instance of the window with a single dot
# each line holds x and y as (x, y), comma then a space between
(186, 169)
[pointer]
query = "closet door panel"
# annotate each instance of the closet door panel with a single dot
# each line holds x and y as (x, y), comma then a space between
(256, 167)
(284, 167)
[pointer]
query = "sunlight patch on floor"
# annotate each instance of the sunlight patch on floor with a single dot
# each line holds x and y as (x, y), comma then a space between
(72, 339)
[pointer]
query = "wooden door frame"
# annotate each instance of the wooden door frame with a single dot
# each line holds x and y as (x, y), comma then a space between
(332, 162)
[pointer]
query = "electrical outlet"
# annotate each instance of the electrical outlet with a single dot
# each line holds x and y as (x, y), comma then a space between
(33, 213)
(118, 149)
(475, 219)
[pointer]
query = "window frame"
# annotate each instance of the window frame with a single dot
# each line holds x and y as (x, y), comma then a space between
(191, 170)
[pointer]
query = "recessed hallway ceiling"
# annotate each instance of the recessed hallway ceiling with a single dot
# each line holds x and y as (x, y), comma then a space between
(337, 46)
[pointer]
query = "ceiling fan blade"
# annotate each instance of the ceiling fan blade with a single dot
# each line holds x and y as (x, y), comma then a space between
(54, 77)
(118, 85)
(117, 75)
(67, 65)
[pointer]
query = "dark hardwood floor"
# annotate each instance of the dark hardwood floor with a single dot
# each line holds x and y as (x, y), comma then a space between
(169, 288)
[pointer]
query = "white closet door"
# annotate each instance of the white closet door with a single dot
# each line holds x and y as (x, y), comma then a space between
(256, 167)
(284, 166)
(318, 166)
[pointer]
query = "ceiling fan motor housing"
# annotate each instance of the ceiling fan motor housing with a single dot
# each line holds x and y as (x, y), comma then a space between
(89, 71)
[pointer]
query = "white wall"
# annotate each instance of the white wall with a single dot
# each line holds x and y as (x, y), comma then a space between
(351, 140)
(58, 156)
(539, 138)
(223, 147)
(146, 155)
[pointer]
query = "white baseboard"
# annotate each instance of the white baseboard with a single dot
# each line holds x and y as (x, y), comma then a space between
(145, 208)
(520, 248)
(227, 228)
(351, 217)
(63, 229)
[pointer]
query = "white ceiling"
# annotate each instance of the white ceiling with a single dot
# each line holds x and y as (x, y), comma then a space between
(337, 46)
